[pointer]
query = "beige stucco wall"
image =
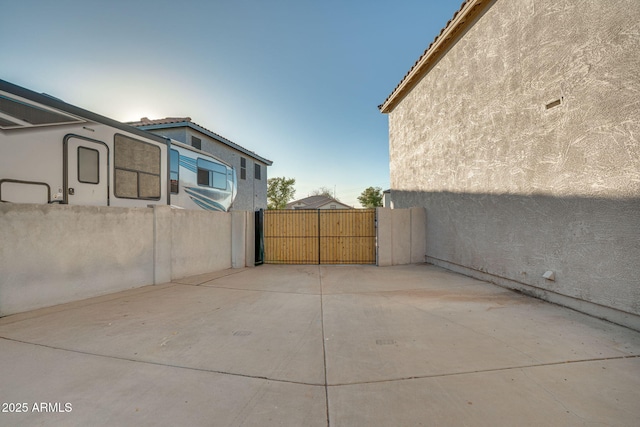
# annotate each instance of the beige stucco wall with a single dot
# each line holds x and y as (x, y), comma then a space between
(52, 254)
(513, 189)
(400, 236)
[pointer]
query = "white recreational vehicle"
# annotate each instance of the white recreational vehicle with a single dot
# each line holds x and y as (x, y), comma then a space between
(54, 152)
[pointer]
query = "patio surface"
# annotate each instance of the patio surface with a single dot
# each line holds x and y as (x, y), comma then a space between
(317, 346)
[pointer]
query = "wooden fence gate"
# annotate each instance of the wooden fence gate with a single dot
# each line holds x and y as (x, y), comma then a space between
(321, 236)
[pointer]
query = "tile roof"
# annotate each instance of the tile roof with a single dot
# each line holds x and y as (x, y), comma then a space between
(173, 122)
(462, 19)
(145, 121)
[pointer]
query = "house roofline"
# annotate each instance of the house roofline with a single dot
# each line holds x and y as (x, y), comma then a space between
(462, 20)
(210, 134)
(319, 200)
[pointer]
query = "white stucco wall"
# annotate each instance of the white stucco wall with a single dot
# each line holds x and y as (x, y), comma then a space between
(52, 254)
(201, 242)
(512, 188)
(401, 236)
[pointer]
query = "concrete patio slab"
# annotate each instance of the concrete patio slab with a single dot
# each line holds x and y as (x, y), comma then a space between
(220, 330)
(318, 345)
(108, 391)
(301, 279)
(570, 394)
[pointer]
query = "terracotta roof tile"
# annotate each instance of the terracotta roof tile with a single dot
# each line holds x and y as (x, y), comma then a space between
(145, 121)
(471, 9)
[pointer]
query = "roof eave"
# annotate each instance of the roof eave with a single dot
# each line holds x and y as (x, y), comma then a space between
(462, 20)
(207, 132)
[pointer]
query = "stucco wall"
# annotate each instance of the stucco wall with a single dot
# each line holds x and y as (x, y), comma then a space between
(201, 242)
(400, 236)
(51, 254)
(513, 189)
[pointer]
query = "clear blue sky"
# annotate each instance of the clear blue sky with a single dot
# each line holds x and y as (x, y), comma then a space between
(296, 81)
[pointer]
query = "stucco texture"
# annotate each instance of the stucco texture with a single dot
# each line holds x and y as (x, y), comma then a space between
(51, 254)
(513, 188)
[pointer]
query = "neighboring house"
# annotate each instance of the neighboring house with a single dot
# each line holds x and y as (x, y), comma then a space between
(518, 130)
(317, 202)
(251, 169)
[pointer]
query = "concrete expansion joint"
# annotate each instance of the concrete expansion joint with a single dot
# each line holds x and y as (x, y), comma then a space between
(324, 350)
(326, 384)
(168, 365)
(244, 289)
(482, 371)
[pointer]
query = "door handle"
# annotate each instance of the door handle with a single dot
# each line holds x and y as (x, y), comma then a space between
(72, 191)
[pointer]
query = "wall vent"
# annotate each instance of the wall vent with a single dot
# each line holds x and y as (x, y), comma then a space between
(553, 104)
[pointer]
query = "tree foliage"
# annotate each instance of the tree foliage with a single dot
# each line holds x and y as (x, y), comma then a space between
(371, 197)
(323, 191)
(279, 191)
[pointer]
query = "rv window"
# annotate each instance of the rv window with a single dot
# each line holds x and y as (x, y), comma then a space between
(88, 165)
(212, 174)
(174, 170)
(137, 168)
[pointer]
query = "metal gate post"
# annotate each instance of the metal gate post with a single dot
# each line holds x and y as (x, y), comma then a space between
(259, 237)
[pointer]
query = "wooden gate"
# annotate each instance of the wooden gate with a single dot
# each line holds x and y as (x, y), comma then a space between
(321, 236)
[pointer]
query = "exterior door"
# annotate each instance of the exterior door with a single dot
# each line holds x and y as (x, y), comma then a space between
(87, 173)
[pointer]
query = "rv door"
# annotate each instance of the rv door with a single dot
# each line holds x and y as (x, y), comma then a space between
(86, 171)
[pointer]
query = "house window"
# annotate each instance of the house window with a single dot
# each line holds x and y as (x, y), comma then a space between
(196, 143)
(88, 169)
(243, 168)
(256, 171)
(174, 170)
(136, 168)
(212, 174)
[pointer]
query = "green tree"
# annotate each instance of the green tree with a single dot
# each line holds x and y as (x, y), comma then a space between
(371, 197)
(279, 192)
(323, 191)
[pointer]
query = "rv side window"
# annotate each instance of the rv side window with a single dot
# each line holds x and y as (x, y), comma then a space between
(212, 174)
(88, 165)
(174, 160)
(137, 169)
